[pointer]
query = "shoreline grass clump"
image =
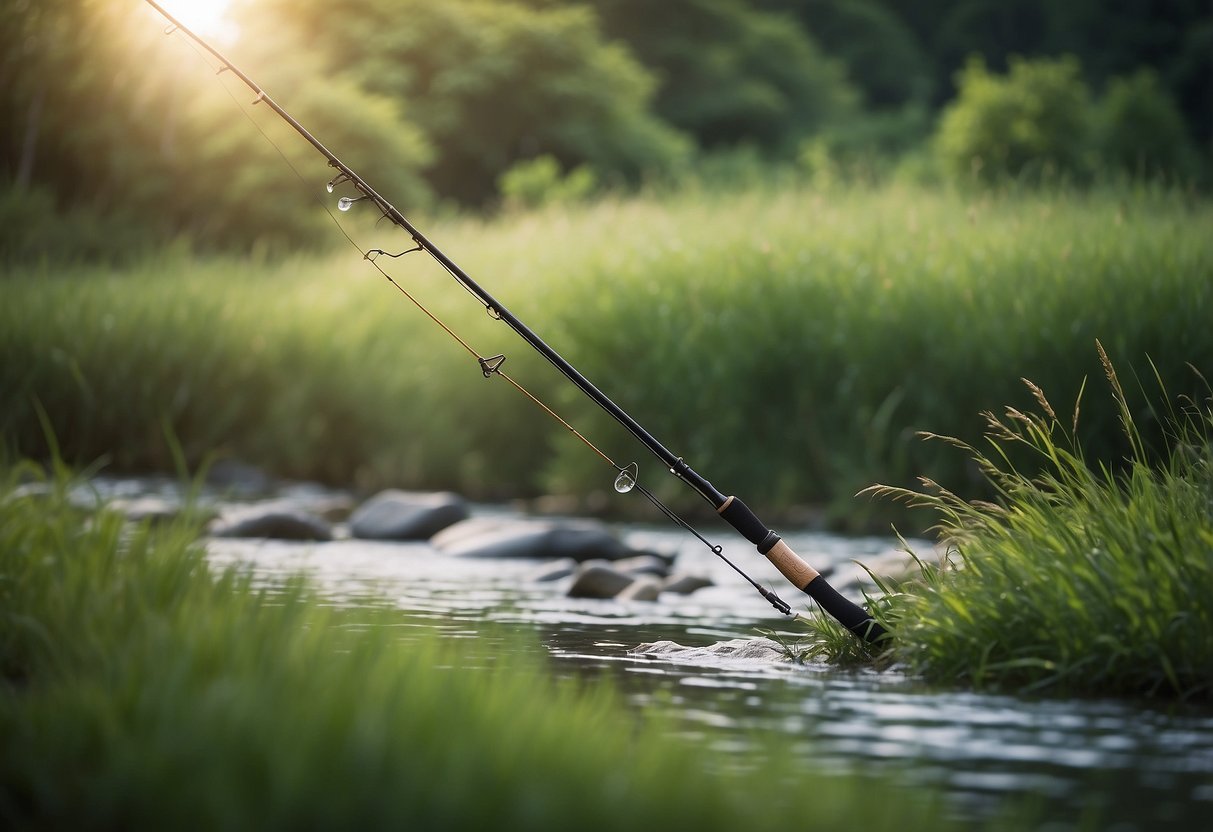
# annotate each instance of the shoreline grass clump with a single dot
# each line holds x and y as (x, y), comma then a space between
(139, 688)
(1083, 577)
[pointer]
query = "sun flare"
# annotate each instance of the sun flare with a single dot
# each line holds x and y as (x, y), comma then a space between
(206, 17)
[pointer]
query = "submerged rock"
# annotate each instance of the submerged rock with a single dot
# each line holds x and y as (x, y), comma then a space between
(272, 520)
(580, 540)
(407, 515)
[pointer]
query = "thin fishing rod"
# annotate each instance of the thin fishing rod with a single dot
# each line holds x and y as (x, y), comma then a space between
(732, 509)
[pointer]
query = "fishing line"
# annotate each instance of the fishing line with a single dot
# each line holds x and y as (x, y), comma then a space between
(489, 366)
(731, 509)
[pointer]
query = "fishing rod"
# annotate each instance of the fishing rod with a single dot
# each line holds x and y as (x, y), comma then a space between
(735, 512)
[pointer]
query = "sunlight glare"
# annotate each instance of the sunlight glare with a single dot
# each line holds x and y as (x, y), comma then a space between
(206, 17)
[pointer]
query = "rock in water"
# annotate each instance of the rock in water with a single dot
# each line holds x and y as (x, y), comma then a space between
(273, 522)
(554, 571)
(580, 540)
(685, 584)
(638, 565)
(598, 580)
(641, 589)
(407, 515)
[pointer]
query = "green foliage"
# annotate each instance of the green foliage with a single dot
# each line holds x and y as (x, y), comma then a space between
(494, 83)
(1082, 576)
(538, 182)
(883, 56)
(1034, 122)
(1141, 129)
(140, 688)
(729, 74)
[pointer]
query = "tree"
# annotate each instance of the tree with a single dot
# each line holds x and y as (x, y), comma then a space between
(731, 74)
(127, 137)
(493, 83)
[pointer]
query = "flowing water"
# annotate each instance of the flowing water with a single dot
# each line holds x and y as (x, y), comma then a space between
(1136, 766)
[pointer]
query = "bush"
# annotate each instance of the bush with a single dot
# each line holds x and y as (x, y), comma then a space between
(1035, 122)
(1141, 130)
(538, 182)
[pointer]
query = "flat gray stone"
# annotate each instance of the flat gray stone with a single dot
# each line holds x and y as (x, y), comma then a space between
(153, 509)
(685, 583)
(554, 571)
(598, 580)
(580, 540)
(275, 522)
(407, 515)
(638, 565)
(641, 589)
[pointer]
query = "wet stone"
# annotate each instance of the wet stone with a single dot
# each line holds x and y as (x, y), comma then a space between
(598, 580)
(531, 538)
(643, 565)
(156, 509)
(554, 571)
(641, 589)
(685, 583)
(273, 521)
(407, 515)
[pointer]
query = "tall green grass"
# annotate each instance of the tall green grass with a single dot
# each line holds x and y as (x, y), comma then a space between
(787, 342)
(1083, 577)
(139, 688)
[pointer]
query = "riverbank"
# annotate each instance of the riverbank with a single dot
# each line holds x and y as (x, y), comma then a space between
(143, 688)
(1083, 578)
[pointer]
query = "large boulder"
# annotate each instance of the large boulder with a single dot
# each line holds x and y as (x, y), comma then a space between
(407, 515)
(580, 540)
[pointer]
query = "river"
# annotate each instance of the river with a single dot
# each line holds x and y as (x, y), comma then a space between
(1137, 766)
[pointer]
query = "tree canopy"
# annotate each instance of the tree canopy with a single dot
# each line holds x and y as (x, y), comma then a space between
(122, 134)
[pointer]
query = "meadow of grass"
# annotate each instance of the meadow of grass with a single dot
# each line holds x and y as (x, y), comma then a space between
(139, 688)
(1083, 577)
(786, 341)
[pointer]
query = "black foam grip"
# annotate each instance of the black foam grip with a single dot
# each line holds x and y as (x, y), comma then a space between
(852, 616)
(745, 521)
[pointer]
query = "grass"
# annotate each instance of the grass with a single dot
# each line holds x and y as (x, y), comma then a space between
(787, 342)
(1083, 577)
(141, 689)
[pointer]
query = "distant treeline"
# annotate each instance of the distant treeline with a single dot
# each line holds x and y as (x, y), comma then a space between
(117, 137)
